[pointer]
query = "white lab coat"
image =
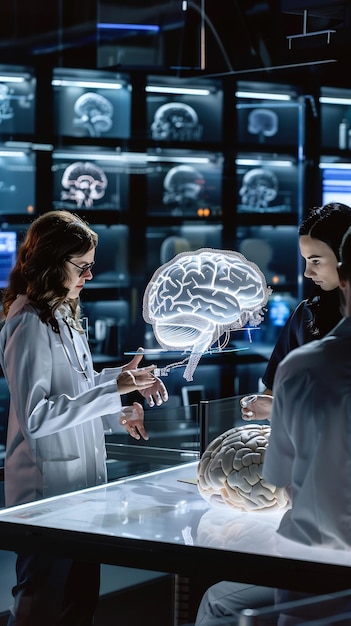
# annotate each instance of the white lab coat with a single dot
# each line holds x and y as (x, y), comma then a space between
(310, 442)
(58, 416)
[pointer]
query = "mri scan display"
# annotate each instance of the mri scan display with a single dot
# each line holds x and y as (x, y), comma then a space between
(6, 110)
(230, 471)
(277, 124)
(263, 123)
(176, 121)
(268, 187)
(17, 103)
(190, 188)
(199, 297)
(83, 183)
(185, 117)
(93, 112)
(80, 183)
(183, 185)
(259, 188)
(17, 184)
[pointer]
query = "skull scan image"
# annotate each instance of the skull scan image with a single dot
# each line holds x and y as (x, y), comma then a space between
(84, 183)
(93, 112)
(176, 121)
(183, 185)
(6, 110)
(197, 297)
(263, 122)
(259, 187)
(229, 472)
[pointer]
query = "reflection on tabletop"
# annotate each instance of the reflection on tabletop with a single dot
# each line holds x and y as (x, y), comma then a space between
(165, 506)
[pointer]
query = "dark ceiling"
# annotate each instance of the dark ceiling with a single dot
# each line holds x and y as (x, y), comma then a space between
(280, 40)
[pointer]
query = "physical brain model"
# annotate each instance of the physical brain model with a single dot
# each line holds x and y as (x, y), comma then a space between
(230, 471)
(197, 298)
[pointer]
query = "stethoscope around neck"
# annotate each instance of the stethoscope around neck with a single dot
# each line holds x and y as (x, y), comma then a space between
(82, 368)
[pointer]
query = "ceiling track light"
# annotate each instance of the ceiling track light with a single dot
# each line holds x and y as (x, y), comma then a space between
(328, 32)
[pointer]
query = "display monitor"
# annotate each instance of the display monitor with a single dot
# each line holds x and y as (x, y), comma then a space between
(269, 123)
(17, 182)
(186, 184)
(336, 125)
(111, 257)
(163, 243)
(192, 116)
(275, 250)
(91, 104)
(336, 185)
(267, 185)
(108, 327)
(17, 103)
(8, 250)
(86, 180)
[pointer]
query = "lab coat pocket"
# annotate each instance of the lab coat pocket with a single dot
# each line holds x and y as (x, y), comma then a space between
(63, 446)
(62, 476)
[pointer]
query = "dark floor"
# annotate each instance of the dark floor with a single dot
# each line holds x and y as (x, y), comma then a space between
(130, 607)
(133, 606)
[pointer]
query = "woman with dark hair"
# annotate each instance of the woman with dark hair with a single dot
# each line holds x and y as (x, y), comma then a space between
(60, 407)
(320, 236)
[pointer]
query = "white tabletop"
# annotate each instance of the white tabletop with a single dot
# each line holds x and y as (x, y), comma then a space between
(159, 521)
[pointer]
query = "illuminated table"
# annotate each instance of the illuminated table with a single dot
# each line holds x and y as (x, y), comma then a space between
(159, 522)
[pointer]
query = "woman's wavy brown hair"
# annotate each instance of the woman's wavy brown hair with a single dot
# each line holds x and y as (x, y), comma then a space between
(40, 272)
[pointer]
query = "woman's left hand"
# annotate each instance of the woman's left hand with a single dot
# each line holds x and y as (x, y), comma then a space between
(132, 418)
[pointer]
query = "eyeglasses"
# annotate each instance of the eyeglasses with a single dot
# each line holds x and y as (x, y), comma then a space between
(83, 269)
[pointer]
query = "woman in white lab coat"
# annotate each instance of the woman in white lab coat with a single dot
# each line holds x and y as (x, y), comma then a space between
(60, 407)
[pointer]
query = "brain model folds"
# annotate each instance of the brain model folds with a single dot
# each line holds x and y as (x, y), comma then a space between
(230, 471)
(196, 297)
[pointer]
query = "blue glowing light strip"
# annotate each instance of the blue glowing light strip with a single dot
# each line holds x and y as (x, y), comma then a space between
(110, 26)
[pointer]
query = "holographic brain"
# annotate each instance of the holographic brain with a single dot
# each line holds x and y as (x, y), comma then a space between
(200, 296)
(230, 471)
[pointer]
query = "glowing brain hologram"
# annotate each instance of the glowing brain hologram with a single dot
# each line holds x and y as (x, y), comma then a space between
(199, 297)
(230, 471)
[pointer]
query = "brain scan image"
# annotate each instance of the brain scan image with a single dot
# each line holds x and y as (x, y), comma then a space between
(83, 183)
(198, 297)
(259, 188)
(229, 472)
(6, 110)
(94, 113)
(176, 121)
(182, 185)
(263, 122)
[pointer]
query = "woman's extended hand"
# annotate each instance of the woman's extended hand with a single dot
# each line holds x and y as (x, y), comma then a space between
(256, 407)
(156, 393)
(132, 418)
(144, 381)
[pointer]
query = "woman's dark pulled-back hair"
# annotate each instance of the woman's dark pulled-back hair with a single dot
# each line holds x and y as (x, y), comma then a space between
(345, 253)
(328, 224)
(40, 272)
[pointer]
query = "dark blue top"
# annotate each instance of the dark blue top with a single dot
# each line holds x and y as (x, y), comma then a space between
(313, 318)
(296, 332)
